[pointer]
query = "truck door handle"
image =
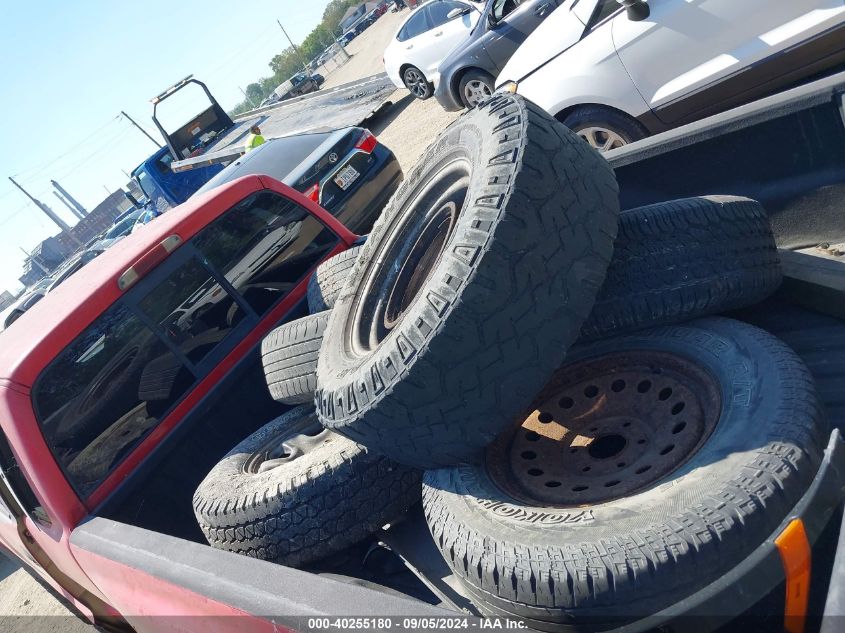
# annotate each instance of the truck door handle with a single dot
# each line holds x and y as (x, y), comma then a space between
(543, 9)
(438, 34)
(407, 48)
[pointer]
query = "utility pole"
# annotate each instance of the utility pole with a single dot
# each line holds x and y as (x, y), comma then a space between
(48, 212)
(80, 210)
(295, 49)
(246, 96)
(68, 205)
(145, 133)
(35, 261)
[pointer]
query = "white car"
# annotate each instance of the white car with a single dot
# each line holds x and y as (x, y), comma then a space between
(616, 73)
(424, 39)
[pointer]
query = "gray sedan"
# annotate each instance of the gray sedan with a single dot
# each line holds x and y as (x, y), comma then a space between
(468, 74)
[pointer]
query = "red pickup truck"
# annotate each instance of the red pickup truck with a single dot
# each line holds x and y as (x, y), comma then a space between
(159, 337)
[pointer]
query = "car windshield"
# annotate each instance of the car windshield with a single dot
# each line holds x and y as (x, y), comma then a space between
(124, 226)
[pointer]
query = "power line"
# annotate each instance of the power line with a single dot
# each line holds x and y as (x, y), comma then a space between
(143, 131)
(73, 148)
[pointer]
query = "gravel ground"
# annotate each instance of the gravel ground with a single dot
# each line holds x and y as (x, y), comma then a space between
(407, 127)
(28, 607)
(367, 51)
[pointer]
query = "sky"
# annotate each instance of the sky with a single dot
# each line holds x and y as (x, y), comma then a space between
(69, 68)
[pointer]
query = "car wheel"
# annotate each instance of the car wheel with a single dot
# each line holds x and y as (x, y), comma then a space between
(684, 259)
(651, 465)
(476, 278)
(603, 128)
(289, 354)
(416, 82)
(476, 86)
(293, 492)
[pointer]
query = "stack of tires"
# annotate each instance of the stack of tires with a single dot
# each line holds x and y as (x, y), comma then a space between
(596, 445)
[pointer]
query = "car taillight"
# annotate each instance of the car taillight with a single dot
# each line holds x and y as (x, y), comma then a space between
(367, 142)
(313, 192)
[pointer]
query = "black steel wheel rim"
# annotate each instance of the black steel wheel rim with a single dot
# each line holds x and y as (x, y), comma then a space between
(395, 274)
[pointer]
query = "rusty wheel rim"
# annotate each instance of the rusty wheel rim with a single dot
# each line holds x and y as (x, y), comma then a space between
(607, 427)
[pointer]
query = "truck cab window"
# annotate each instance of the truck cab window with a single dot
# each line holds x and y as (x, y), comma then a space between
(104, 393)
(112, 385)
(264, 247)
(191, 309)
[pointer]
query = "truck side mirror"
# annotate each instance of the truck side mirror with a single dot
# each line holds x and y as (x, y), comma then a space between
(638, 10)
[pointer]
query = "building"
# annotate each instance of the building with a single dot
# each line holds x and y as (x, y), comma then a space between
(50, 253)
(44, 259)
(6, 299)
(355, 13)
(96, 222)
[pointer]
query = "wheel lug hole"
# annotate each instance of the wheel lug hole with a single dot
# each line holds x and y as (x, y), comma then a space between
(566, 403)
(617, 386)
(591, 391)
(529, 455)
(665, 393)
(545, 417)
(535, 472)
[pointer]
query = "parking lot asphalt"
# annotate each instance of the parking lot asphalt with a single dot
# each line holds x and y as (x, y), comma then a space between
(407, 127)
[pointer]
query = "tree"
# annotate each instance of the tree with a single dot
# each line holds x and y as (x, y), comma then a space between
(334, 12)
(254, 93)
(288, 63)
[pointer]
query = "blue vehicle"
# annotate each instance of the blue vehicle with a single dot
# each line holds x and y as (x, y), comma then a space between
(165, 188)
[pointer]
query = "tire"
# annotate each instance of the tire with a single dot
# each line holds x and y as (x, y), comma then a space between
(673, 262)
(105, 399)
(328, 279)
(455, 314)
(588, 119)
(604, 562)
(484, 83)
(289, 354)
(331, 495)
(415, 81)
(676, 261)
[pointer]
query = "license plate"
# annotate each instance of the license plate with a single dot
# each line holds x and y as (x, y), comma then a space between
(346, 176)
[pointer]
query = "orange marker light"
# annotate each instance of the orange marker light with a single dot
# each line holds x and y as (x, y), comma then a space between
(796, 556)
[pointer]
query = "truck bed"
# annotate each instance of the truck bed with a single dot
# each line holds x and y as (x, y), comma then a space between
(786, 152)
